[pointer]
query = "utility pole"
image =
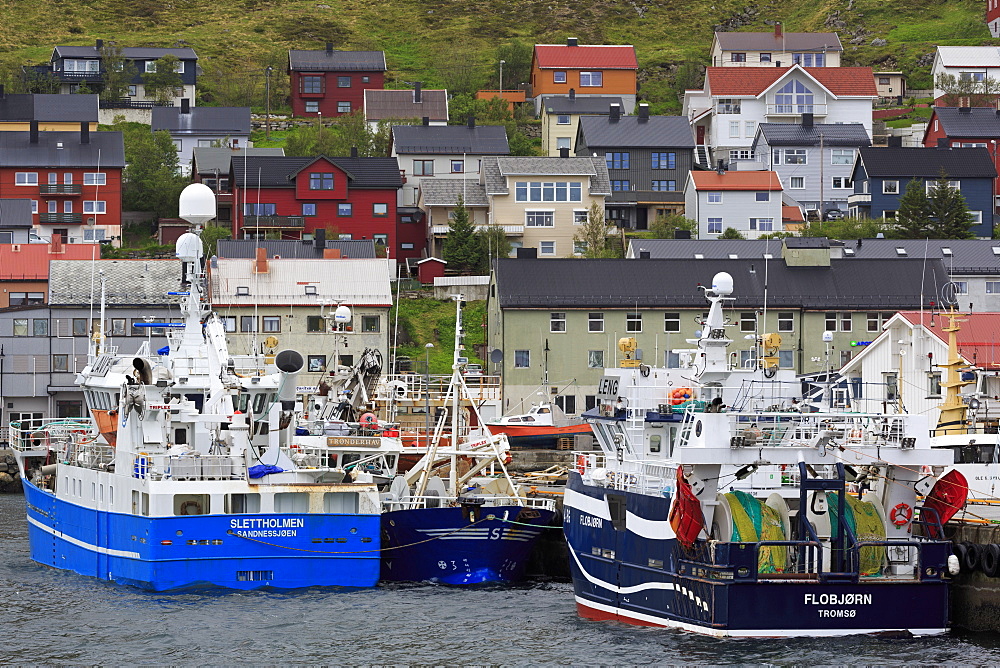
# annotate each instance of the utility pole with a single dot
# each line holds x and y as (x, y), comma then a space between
(822, 190)
(267, 102)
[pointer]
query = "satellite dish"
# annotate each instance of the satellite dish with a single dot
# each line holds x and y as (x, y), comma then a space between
(496, 356)
(949, 294)
(342, 314)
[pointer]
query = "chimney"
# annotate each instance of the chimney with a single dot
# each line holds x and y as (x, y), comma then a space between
(472, 122)
(777, 63)
(185, 105)
(720, 168)
(563, 151)
(100, 44)
(426, 120)
(777, 30)
(417, 86)
(331, 253)
(572, 41)
(33, 132)
(965, 110)
(807, 120)
(260, 263)
(643, 112)
(329, 49)
(354, 151)
(572, 96)
(319, 238)
(643, 255)
(942, 142)
(527, 253)
(615, 112)
(84, 132)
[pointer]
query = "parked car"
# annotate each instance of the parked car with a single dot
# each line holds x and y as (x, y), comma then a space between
(34, 238)
(835, 214)
(473, 369)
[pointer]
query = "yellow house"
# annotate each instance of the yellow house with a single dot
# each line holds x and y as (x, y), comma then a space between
(560, 117)
(53, 112)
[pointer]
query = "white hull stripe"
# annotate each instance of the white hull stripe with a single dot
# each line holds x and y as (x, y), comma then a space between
(79, 543)
(741, 633)
(648, 529)
(587, 504)
(667, 586)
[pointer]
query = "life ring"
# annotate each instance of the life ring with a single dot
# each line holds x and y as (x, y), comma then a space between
(679, 395)
(369, 421)
(190, 504)
(581, 463)
(901, 514)
(855, 433)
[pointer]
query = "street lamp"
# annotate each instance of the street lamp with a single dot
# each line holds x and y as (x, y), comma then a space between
(267, 102)
(501, 77)
(427, 392)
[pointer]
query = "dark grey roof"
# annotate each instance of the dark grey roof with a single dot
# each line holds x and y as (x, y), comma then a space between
(105, 149)
(247, 248)
(971, 122)
(960, 256)
(652, 283)
(387, 104)
(710, 249)
(202, 120)
(128, 281)
(928, 162)
(563, 104)
(794, 134)
(450, 139)
(807, 242)
(343, 61)
(445, 192)
(64, 108)
(633, 132)
(130, 52)
(15, 213)
(789, 41)
(274, 171)
(208, 160)
(495, 171)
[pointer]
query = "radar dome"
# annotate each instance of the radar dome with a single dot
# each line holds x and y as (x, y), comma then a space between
(197, 204)
(342, 314)
(722, 284)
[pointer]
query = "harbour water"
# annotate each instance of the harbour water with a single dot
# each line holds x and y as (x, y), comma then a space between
(54, 616)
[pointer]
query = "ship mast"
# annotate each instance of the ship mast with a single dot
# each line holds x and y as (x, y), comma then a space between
(951, 419)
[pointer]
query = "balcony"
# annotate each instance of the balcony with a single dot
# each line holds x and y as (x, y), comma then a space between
(859, 199)
(796, 109)
(79, 77)
(508, 230)
(61, 189)
(57, 218)
(128, 103)
(274, 222)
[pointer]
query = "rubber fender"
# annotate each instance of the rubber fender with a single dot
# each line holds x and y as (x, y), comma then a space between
(990, 564)
(973, 557)
(959, 550)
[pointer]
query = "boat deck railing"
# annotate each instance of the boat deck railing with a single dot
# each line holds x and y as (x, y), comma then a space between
(50, 434)
(414, 388)
(189, 466)
(485, 502)
(780, 429)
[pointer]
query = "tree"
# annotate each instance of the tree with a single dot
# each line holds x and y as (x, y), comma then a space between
(845, 228)
(462, 249)
(731, 233)
(950, 217)
(151, 180)
(593, 236)
(913, 216)
(966, 91)
(493, 243)
(350, 131)
(517, 64)
(118, 72)
(663, 227)
(210, 237)
(163, 80)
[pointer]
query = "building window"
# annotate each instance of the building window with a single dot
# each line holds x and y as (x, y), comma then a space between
(248, 323)
(977, 77)
(423, 168)
(671, 322)
(890, 187)
(734, 129)
(875, 321)
(371, 324)
(580, 216)
(748, 321)
(749, 129)
(663, 186)
(633, 322)
(620, 186)
(68, 206)
(595, 359)
(786, 321)
(539, 218)
(522, 359)
(765, 57)
(343, 82)
(262, 209)
(60, 363)
(34, 206)
(26, 178)
(762, 197)
(20, 326)
(557, 321)
(92, 207)
(271, 323)
(563, 142)
(727, 106)
(343, 107)
(316, 363)
(308, 208)
(738, 57)
(961, 287)
(809, 59)
(315, 323)
(312, 107)
(786, 359)
(344, 209)
(558, 77)
(715, 226)
(664, 161)
(617, 160)
(842, 156)
(562, 119)
(26, 298)
(930, 185)
(312, 84)
(133, 90)
(793, 156)
(321, 181)
(95, 179)
(40, 327)
(548, 191)
(762, 224)
(380, 209)
(842, 182)
(715, 198)
(595, 322)
(53, 206)
(546, 248)
(933, 385)
(118, 327)
(797, 182)
(835, 322)
(407, 246)
(591, 79)
(228, 323)
(993, 287)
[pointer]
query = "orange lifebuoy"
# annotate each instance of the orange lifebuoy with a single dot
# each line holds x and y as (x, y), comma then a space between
(581, 463)
(901, 514)
(679, 395)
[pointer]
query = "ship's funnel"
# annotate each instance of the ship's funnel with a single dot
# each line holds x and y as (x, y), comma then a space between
(289, 363)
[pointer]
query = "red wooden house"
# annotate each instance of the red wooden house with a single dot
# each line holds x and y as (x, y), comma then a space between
(349, 198)
(966, 127)
(73, 180)
(332, 83)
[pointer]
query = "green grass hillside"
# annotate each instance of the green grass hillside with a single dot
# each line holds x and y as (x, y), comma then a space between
(454, 43)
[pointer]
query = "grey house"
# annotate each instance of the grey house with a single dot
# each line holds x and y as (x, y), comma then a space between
(813, 161)
(53, 112)
(293, 248)
(648, 159)
(15, 221)
(191, 127)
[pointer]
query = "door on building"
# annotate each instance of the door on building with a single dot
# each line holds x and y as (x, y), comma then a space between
(700, 130)
(641, 215)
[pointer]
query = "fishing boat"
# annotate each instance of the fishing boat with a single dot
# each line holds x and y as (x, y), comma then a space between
(659, 534)
(541, 427)
(457, 517)
(189, 471)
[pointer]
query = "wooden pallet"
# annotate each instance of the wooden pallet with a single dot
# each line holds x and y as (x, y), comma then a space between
(564, 443)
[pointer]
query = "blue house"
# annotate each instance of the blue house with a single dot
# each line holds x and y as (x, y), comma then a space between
(881, 175)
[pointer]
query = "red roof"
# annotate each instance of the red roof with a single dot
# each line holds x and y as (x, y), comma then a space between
(841, 81)
(977, 341)
(757, 180)
(30, 262)
(792, 214)
(603, 57)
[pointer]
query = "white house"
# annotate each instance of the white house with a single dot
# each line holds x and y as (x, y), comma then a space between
(749, 202)
(776, 48)
(971, 63)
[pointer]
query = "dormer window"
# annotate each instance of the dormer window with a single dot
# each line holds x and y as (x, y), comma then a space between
(900, 251)
(946, 252)
(849, 252)
(321, 181)
(242, 291)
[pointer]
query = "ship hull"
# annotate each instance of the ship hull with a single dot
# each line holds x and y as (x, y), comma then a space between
(628, 567)
(449, 546)
(538, 437)
(282, 551)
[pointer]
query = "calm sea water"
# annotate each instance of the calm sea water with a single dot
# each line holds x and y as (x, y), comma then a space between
(53, 616)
